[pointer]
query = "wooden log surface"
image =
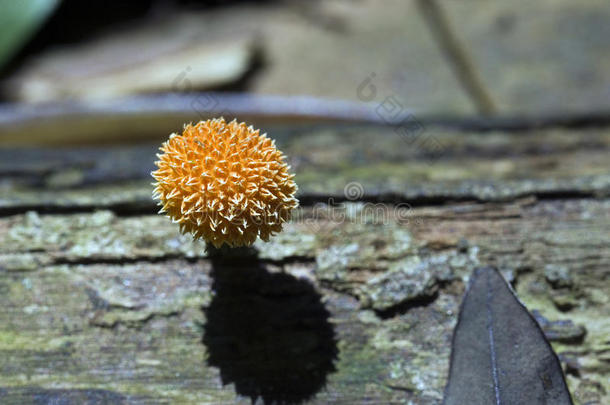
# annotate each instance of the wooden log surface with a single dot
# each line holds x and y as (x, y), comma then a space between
(103, 301)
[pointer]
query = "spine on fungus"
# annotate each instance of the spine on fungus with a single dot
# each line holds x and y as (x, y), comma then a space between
(225, 183)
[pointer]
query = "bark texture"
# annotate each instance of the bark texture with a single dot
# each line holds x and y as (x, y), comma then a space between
(103, 301)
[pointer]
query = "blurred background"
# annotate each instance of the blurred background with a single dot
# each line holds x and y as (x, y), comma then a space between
(435, 59)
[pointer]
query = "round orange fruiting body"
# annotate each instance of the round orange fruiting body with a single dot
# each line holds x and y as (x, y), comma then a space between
(225, 183)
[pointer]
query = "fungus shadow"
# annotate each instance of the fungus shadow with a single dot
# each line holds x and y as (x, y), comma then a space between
(268, 333)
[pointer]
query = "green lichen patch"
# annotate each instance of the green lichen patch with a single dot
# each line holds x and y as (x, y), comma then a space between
(23, 262)
(99, 236)
(387, 268)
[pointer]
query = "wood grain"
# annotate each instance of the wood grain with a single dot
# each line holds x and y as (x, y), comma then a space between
(101, 300)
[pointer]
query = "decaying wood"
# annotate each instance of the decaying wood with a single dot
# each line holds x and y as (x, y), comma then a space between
(355, 302)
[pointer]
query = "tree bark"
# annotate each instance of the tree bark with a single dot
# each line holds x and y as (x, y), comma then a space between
(103, 301)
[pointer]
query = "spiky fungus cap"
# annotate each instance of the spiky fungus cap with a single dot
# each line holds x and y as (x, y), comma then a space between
(225, 183)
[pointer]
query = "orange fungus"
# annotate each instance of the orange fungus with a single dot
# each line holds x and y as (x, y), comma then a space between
(225, 183)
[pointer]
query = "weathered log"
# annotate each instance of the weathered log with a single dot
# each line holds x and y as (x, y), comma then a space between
(101, 300)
